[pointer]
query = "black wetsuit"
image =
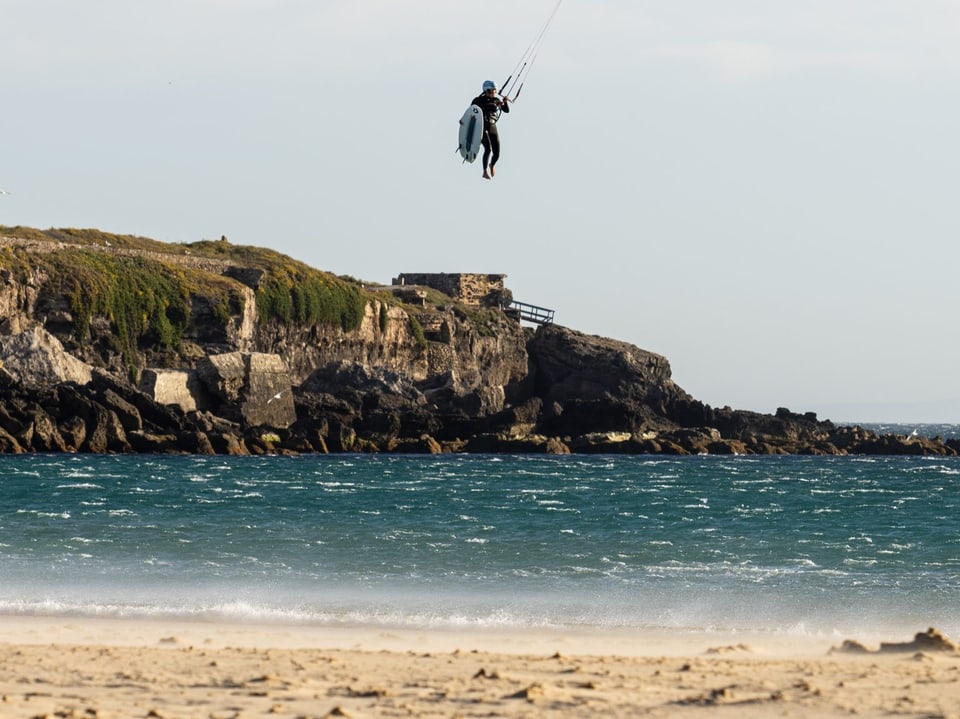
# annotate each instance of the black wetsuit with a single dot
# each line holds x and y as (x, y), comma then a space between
(491, 106)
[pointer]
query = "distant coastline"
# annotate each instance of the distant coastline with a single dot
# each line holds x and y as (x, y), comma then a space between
(944, 430)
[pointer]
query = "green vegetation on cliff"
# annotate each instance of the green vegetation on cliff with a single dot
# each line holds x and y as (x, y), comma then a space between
(292, 292)
(384, 317)
(289, 291)
(145, 300)
(300, 296)
(417, 330)
(139, 296)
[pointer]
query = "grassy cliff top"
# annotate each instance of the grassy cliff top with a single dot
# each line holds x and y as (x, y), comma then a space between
(222, 250)
(147, 288)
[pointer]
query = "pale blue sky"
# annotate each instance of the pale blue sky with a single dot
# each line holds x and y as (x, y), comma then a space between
(764, 191)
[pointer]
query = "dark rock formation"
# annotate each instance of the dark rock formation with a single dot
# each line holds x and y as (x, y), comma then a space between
(397, 378)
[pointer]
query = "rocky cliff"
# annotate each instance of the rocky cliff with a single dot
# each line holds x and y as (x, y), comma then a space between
(115, 344)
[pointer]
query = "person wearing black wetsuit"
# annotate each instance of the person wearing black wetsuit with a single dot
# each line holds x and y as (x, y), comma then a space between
(491, 106)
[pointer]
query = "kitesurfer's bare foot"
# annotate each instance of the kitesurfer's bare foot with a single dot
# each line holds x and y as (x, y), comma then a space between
(493, 171)
(486, 175)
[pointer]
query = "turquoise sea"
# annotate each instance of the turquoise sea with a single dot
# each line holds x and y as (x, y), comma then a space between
(810, 545)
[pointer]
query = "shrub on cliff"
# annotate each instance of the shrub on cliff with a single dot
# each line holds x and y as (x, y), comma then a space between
(292, 296)
(384, 316)
(292, 292)
(417, 330)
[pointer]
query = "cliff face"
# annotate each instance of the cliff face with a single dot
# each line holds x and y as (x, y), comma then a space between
(463, 358)
(115, 343)
(599, 383)
(463, 355)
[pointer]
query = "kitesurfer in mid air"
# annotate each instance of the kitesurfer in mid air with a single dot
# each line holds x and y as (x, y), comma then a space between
(491, 106)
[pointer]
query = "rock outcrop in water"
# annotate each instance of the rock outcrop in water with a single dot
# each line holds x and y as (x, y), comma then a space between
(122, 344)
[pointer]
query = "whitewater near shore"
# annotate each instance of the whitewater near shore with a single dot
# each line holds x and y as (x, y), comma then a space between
(477, 587)
(83, 667)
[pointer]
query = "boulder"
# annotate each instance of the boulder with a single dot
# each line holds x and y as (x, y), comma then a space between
(341, 438)
(556, 446)
(10, 419)
(74, 433)
(127, 414)
(9, 443)
(570, 365)
(116, 435)
(46, 436)
(196, 443)
(502, 444)
(519, 420)
(159, 416)
(333, 378)
(224, 377)
(149, 443)
(727, 446)
(227, 443)
(604, 443)
(96, 440)
(37, 359)
(425, 444)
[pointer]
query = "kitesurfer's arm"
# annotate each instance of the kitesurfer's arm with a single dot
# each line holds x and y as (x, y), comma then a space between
(505, 106)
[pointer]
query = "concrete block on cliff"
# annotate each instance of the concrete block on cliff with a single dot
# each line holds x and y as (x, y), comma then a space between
(269, 395)
(251, 388)
(173, 387)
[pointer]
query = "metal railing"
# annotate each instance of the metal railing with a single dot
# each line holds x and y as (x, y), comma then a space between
(531, 313)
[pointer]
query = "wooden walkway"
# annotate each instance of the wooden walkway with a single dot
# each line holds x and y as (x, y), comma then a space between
(530, 313)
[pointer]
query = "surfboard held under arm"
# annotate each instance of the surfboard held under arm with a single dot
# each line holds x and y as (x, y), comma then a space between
(471, 133)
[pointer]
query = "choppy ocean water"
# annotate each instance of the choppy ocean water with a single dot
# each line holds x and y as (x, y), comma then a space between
(816, 545)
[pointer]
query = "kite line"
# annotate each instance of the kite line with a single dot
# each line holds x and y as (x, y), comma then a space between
(521, 70)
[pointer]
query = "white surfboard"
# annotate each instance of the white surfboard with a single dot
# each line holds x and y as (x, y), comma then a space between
(471, 133)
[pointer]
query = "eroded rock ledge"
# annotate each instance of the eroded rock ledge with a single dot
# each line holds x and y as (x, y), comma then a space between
(582, 394)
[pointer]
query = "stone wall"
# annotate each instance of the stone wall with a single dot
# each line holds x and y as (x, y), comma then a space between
(476, 290)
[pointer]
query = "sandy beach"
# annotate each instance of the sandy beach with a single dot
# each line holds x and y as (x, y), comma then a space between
(104, 668)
